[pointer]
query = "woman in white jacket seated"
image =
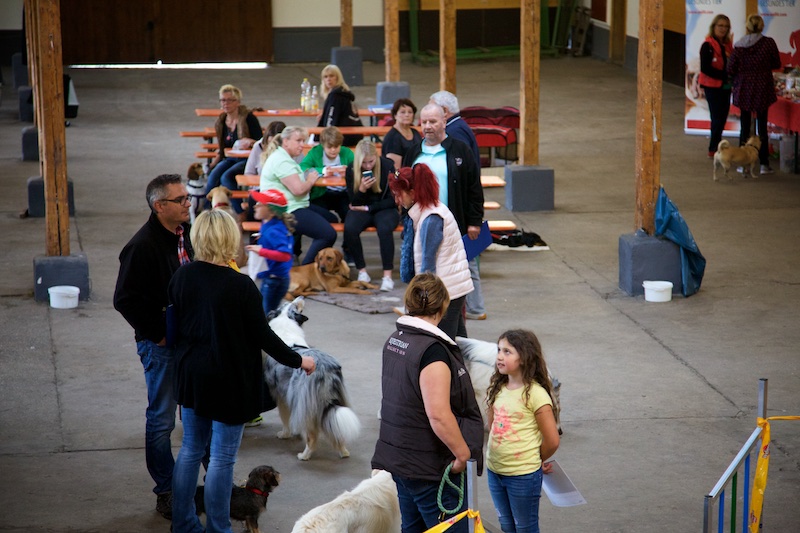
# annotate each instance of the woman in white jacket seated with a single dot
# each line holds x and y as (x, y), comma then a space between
(432, 241)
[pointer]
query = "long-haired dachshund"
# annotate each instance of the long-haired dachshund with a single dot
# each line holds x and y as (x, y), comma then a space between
(248, 502)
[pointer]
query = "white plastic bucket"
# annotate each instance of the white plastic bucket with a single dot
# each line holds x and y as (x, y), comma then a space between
(657, 291)
(64, 296)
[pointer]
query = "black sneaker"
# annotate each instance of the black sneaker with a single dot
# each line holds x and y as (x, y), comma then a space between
(164, 505)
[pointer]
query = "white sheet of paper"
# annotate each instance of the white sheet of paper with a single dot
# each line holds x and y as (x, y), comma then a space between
(559, 488)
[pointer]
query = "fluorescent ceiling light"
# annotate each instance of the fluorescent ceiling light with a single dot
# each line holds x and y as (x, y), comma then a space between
(252, 65)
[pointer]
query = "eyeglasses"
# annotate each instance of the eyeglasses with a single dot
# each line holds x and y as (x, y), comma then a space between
(227, 100)
(180, 200)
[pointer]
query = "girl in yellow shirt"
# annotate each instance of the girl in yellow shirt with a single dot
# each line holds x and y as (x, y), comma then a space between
(523, 430)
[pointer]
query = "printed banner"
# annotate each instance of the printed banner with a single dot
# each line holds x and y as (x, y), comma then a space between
(699, 14)
(782, 23)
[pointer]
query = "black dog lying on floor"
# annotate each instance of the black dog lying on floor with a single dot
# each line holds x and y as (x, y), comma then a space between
(248, 502)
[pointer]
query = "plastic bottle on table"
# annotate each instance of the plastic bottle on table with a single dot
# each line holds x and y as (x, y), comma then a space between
(305, 92)
(314, 99)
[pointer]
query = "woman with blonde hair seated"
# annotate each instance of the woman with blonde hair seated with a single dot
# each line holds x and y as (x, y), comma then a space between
(236, 128)
(282, 172)
(371, 204)
(339, 108)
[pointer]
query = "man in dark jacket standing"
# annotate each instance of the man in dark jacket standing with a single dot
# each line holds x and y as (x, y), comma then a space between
(457, 172)
(147, 263)
(457, 128)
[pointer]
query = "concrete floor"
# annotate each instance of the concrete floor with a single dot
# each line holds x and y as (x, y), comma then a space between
(657, 398)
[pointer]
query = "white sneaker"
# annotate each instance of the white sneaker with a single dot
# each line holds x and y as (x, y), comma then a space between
(765, 169)
(363, 276)
(387, 284)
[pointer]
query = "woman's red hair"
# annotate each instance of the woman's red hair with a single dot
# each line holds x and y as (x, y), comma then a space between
(420, 179)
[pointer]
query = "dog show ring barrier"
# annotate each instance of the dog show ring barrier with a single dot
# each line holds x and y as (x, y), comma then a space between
(751, 502)
(476, 524)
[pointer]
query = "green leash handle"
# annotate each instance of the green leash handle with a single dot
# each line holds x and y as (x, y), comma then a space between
(458, 489)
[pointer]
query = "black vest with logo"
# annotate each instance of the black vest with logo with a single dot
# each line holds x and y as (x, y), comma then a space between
(407, 446)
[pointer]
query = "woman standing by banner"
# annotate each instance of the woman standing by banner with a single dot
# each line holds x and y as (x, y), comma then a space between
(754, 58)
(714, 54)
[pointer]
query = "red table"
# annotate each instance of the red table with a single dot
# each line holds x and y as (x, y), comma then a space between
(785, 114)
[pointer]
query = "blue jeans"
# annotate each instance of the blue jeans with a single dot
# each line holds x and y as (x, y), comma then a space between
(272, 292)
(516, 499)
(225, 440)
(418, 508)
(158, 363)
(224, 174)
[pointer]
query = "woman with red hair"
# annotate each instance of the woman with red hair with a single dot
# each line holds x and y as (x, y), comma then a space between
(432, 241)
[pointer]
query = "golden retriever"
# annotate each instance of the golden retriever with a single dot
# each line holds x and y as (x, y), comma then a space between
(328, 273)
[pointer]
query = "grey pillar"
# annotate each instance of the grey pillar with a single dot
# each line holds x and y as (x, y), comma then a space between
(49, 271)
(646, 258)
(36, 206)
(349, 61)
(529, 188)
(387, 92)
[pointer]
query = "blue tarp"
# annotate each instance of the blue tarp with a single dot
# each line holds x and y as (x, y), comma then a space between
(671, 225)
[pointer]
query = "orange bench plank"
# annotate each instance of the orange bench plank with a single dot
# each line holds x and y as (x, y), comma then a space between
(492, 181)
(494, 225)
(208, 112)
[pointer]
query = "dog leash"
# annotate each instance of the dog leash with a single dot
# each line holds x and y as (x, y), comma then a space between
(458, 489)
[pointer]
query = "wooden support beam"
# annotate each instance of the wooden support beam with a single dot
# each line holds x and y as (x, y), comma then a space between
(530, 44)
(391, 31)
(616, 42)
(648, 113)
(447, 45)
(44, 39)
(346, 36)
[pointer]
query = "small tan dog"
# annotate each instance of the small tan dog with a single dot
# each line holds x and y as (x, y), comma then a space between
(196, 180)
(328, 273)
(746, 156)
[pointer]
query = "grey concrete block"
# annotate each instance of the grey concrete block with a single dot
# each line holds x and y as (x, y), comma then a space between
(529, 188)
(643, 257)
(388, 92)
(25, 95)
(19, 70)
(30, 143)
(49, 271)
(349, 59)
(36, 207)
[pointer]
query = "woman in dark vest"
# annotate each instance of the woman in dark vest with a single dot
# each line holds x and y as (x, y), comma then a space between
(429, 415)
(714, 54)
